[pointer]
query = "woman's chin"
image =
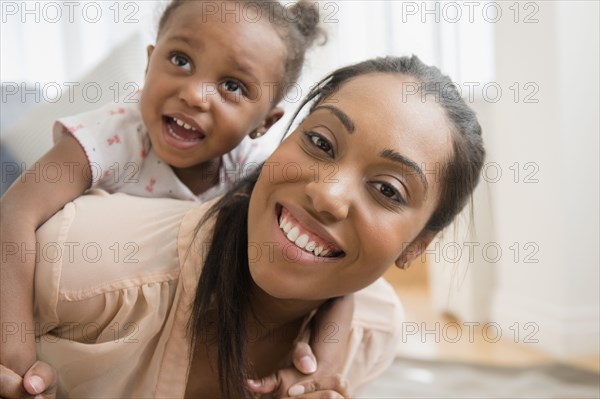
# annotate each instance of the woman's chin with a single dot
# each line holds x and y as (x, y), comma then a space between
(276, 288)
(270, 287)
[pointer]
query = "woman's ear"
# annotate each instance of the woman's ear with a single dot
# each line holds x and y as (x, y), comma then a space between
(415, 249)
(149, 51)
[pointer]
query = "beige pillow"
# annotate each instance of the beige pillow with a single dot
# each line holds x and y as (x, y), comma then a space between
(119, 74)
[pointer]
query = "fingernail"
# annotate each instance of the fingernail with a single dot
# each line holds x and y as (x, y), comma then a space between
(308, 365)
(254, 383)
(296, 390)
(37, 384)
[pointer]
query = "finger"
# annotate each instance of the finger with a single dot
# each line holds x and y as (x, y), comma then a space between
(331, 382)
(264, 385)
(11, 384)
(304, 359)
(327, 394)
(40, 378)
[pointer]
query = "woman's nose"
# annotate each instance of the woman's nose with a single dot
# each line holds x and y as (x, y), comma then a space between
(198, 94)
(331, 197)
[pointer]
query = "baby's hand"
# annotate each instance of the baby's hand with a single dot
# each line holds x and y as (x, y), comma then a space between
(39, 381)
(292, 382)
(328, 386)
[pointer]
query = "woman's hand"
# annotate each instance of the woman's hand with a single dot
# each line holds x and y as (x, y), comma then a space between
(293, 382)
(38, 381)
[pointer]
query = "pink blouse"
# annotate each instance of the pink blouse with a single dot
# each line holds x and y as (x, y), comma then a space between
(114, 283)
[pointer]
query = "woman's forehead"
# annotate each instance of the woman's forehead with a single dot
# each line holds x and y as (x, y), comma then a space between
(384, 107)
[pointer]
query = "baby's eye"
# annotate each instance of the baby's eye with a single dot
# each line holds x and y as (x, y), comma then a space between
(389, 191)
(321, 143)
(232, 86)
(181, 61)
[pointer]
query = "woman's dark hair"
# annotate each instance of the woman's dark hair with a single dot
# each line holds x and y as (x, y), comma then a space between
(297, 25)
(223, 292)
(224, 286)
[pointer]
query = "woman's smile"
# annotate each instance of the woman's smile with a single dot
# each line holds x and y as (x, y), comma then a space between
(314, 240)
(302, 241)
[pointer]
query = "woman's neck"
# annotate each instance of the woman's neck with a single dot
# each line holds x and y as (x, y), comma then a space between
(201, 177)
(267, 314)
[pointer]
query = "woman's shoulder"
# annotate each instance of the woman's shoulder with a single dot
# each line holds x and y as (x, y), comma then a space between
(101, 242)
(193, 242)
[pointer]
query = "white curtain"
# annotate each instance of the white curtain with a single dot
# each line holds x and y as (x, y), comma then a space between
(59, 41)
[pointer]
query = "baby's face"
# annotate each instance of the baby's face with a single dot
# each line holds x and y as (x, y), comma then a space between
(343, 197)
(209, 82)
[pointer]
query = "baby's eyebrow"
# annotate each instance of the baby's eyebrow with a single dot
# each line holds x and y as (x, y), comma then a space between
(341, 115)
(243, 68)
(182, 38)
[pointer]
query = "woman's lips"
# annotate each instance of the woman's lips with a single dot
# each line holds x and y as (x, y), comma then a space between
(305, 239)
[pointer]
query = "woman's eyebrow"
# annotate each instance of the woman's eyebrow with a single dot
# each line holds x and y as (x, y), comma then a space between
(396, 157)
(341, 115)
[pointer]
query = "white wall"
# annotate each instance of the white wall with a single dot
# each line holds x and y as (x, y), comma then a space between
(559, 213)
(538, 199)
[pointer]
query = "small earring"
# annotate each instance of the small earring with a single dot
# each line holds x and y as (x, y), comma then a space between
(256, 134)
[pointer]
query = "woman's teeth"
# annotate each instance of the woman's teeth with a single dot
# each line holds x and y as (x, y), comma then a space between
(184, 125)
(302, 241)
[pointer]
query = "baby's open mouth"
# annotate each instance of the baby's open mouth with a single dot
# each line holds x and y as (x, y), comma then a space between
(305, 239)
(182, 130)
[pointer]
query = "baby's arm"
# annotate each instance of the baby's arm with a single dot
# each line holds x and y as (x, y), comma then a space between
(375, 333)
(328, 341)
(330, 333)
(61, 175)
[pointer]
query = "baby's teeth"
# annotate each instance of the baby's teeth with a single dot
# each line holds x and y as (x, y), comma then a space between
(311, 246)
(183, 124)
(292, 235)
(318, 250)
(325, 252)
(301, 241)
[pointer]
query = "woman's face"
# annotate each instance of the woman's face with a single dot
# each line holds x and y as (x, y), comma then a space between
(347, 192)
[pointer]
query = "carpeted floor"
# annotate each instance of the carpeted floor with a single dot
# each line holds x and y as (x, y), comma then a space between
(408, 378)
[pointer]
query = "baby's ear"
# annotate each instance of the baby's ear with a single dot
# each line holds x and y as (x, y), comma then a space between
(415, 249)
(272, 117)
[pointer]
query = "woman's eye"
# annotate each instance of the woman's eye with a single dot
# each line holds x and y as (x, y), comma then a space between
(321, 143)
(180, 61)
(389, 191)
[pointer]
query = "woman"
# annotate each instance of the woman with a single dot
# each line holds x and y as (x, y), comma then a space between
(345, 196)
